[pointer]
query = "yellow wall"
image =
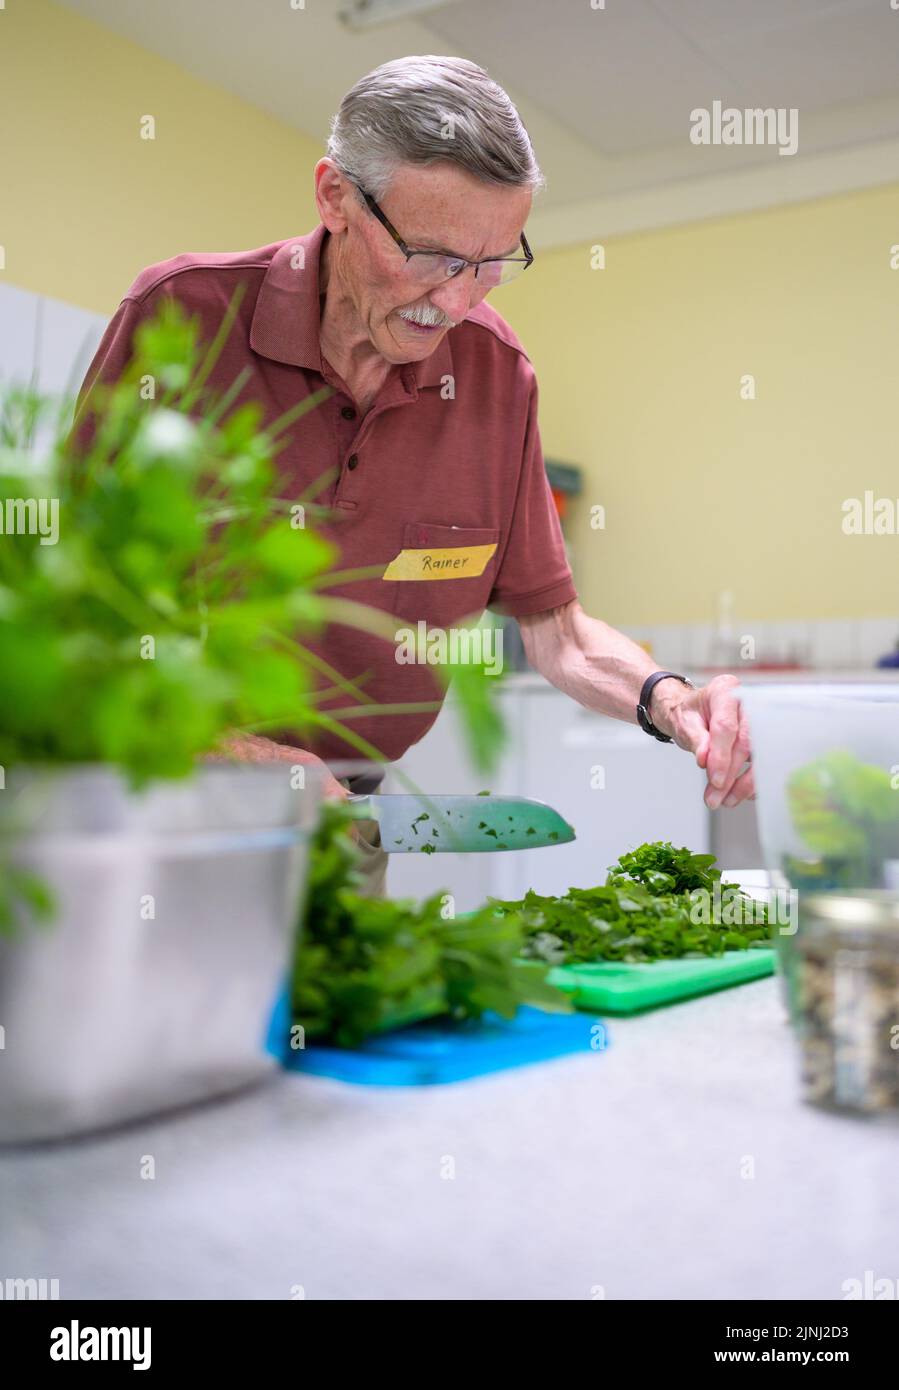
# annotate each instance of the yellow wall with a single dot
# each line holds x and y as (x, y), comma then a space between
(639, 364)
(86, 203)
(639, 367)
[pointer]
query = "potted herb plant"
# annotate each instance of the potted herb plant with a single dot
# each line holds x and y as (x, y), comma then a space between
(154, 594)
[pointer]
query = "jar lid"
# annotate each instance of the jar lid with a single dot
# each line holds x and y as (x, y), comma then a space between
(869, 910)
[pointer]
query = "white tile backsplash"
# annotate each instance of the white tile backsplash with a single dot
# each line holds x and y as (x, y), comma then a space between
(835, 643)
(664, 645)
(701, 644)
(761, 633)
(876, 637)
(830, 644)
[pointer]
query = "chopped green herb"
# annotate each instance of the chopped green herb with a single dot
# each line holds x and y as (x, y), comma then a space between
(643, 912)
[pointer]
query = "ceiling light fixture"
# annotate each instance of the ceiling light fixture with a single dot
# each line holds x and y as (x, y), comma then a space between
(366, 14)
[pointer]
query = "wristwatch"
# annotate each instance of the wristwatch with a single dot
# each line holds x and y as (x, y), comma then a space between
(649, 686)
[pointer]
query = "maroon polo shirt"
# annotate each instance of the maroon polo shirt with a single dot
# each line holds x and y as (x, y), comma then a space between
(447, 458)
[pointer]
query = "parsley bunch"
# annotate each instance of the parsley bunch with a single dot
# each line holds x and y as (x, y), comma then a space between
(364, 965)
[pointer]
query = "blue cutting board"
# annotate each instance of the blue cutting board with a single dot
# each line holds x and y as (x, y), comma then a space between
(428, 1054)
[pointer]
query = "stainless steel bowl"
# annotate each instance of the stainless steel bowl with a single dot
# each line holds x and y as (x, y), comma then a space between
(176, 909)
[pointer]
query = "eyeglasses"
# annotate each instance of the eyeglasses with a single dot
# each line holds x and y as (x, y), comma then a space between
(431, 267)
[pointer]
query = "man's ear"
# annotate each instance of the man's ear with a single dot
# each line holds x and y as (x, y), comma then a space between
(332, 190)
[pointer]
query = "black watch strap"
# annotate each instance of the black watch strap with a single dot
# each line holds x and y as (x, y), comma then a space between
(649, 686)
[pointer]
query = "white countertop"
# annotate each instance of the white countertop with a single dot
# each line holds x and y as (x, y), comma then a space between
(620, 1169)
(748, 675)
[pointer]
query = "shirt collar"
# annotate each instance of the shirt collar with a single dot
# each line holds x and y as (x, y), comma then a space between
(287, 321)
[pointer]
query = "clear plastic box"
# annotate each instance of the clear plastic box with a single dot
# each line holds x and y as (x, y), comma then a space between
(826, 761)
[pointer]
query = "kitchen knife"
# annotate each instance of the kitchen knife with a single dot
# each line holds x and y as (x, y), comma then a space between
(461, 824)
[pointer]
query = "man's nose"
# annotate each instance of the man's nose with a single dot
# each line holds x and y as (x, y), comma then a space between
(457, 296)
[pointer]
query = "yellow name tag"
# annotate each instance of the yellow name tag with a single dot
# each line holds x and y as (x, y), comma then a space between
(456, 562)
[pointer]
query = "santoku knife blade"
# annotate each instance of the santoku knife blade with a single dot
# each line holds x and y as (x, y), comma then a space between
(461, 824)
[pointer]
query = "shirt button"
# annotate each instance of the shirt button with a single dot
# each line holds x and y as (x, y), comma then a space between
(352, 461)
(348, 412)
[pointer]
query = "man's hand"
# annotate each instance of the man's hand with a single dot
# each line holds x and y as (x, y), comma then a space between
(709, 723)
(250, 748)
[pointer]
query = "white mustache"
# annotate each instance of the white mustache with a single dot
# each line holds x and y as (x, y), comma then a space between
(428, 315)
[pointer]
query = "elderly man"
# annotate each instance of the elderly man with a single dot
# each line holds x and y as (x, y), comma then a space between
(429, 440)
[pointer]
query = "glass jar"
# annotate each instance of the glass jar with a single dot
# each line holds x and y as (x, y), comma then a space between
(848, 1000)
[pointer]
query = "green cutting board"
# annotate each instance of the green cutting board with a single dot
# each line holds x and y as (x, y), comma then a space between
(613, 988)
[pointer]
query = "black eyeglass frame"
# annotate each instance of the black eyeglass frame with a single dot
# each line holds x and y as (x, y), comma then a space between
(527, 261)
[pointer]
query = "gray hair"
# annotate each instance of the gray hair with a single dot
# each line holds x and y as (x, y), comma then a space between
(423, 110)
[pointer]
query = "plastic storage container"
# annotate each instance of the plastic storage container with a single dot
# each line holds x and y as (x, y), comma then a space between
(826, 760)
(176, 912)
(848, 1001)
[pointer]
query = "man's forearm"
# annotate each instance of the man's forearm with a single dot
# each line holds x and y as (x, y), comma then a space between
(253, 748)
(604, 670)
(592, 662)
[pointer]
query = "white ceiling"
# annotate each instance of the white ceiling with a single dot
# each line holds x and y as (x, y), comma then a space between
(606, 94)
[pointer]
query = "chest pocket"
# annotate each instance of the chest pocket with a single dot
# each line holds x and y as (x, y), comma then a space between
(442, 573)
